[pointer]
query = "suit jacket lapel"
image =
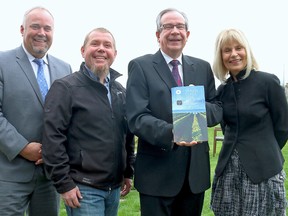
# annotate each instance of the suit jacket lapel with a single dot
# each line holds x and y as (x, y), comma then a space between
(23, 61)
(52, 69)
(188, 71)
(163, 70)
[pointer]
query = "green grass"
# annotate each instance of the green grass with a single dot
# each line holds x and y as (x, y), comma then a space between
(129, 205)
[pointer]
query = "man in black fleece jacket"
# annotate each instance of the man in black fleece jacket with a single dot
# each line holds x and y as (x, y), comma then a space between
(88, 150)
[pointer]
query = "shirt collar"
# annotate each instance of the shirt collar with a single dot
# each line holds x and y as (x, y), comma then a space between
(239, 76)
(168, 59)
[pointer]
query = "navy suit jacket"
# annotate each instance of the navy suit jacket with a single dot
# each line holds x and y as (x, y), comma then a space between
(21, 111)
(160, 170)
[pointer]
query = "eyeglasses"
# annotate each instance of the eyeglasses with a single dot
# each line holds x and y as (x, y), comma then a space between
(171, 26)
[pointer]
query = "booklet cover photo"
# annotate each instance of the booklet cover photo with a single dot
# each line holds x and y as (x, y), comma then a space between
(189, 114)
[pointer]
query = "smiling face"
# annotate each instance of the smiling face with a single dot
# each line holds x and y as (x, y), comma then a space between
(172, 40)
(37, 31)
(234, 57)
(99, 52)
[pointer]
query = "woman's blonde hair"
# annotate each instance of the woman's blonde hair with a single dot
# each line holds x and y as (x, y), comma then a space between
(223, 38)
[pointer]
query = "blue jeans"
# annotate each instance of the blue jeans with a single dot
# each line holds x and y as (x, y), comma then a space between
(96, 202)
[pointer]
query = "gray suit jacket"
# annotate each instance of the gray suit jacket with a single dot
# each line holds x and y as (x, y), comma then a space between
(21, 111)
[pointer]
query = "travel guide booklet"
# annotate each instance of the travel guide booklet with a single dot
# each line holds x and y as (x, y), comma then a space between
(189, 114)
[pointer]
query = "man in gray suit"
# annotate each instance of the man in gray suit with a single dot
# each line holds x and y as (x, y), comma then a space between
(23, 185)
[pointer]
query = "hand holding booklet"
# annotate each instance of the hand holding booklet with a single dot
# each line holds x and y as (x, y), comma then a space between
(189, 114)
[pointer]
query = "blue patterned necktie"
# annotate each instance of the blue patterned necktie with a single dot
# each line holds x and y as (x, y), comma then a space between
(41, 78)
(175, 72)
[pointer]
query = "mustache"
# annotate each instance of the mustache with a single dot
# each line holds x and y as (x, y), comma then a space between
(41, 37)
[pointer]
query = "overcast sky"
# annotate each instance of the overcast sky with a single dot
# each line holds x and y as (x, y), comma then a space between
(133, 25)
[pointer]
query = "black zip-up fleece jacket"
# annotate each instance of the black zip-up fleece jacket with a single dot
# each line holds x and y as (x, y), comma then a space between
(85, 140)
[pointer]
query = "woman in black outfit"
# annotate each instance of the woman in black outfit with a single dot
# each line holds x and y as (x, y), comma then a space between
(249, 177)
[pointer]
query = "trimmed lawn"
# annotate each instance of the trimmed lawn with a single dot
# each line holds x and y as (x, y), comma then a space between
(129, 205)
